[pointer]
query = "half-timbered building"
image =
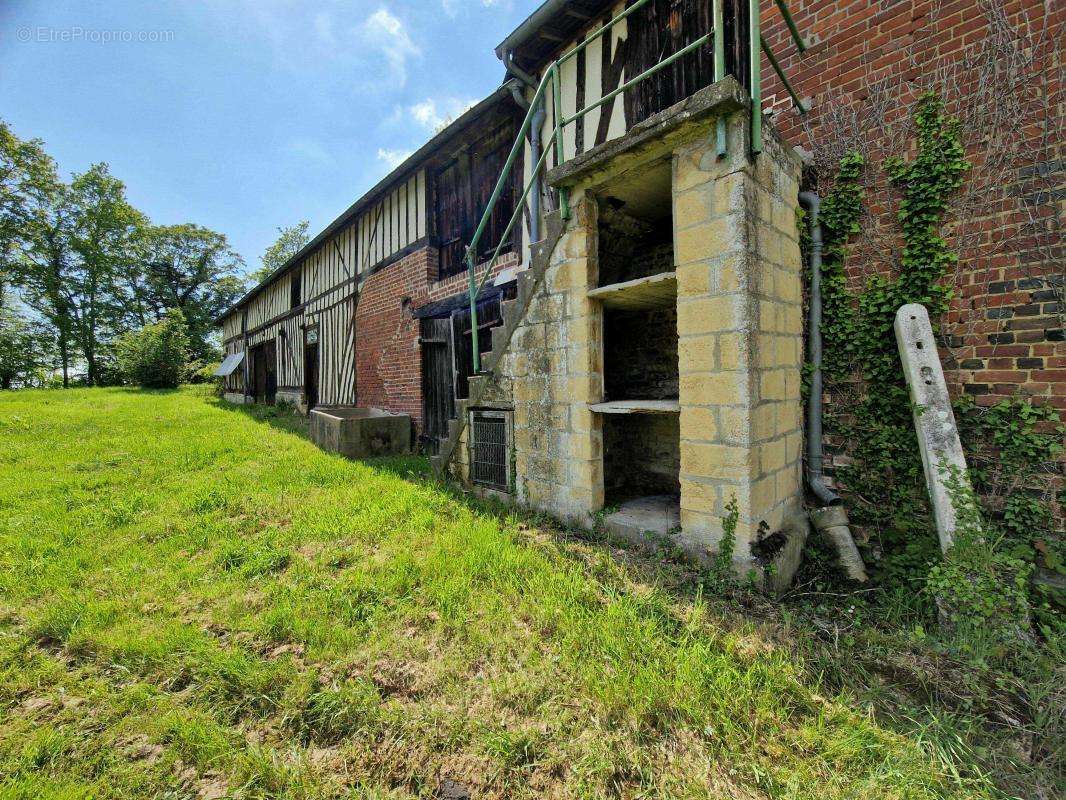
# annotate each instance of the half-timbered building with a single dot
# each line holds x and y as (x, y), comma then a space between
(586, 292)
(374, 310)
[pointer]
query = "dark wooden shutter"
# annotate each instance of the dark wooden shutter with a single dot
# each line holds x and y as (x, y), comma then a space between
(486, 164)
(662, 28)
(453, 213)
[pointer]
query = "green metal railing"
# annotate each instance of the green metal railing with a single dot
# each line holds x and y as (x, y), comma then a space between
(757, 45)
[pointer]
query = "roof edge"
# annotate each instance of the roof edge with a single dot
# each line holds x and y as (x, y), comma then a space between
(533, 23)
(372, 194)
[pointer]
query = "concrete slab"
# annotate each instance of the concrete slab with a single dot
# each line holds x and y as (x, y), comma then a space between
(361, 432)
(644, 520)
(654, 291)
(637, 407)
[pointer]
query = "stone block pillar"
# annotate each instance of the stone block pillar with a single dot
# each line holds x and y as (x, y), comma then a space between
(740, 328)
(555, 360)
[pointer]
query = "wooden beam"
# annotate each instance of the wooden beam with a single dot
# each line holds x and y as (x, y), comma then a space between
(552, 35)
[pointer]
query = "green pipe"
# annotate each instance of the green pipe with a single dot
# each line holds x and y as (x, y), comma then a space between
(800, 44)
(781, 74)
(511, 158)
(477, 286)
(719, 41)
(515, 216)
(755, 75)
(470, 268)
(471, 253)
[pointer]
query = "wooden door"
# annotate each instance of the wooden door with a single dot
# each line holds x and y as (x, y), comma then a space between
(438, 391)
(258, 371)
(270, 371)
(311, 374)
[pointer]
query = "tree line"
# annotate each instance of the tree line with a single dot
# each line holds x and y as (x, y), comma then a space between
(80, 267)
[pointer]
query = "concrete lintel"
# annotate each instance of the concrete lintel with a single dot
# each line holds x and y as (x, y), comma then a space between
(655, 133)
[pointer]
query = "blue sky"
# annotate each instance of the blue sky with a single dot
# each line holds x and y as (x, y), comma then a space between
(245, 115)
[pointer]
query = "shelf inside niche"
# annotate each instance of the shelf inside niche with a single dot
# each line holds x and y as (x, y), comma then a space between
(653, 291)
(637, 407)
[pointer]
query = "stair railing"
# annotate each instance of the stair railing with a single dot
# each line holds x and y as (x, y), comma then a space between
(757, 44)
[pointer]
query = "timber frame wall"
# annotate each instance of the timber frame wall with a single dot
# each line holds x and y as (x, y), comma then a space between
(364, 282)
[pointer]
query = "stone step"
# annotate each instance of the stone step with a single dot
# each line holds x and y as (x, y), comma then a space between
(477, 385)
(500, 335)
(526, 288)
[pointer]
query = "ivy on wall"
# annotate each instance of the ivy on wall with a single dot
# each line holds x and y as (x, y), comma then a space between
(871, 412)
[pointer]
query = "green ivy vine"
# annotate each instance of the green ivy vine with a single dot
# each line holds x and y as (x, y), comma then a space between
(871, 413)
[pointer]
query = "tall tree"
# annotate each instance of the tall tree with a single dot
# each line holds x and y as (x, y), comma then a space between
(104, 227)
(93, 266)
(184, 267)
(289, 242)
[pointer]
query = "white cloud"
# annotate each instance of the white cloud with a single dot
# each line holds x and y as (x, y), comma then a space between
(393, 158)
(434, 115)
(386, 33)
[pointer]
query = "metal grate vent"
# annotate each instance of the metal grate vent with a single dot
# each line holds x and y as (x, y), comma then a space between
(489, 453)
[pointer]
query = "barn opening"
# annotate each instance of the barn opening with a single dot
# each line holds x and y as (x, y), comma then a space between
(638, 293)
(264, 372)
(295, 290)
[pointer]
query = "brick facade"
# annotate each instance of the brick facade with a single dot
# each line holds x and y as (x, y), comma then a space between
(998, 65)
(388, 355)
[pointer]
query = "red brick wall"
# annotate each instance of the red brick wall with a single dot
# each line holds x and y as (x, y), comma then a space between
(869, 60)
(388, 356)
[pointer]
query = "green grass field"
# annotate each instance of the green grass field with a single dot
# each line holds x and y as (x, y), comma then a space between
(195, 602)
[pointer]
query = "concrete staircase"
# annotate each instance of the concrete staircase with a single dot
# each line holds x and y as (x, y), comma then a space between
(513, 312)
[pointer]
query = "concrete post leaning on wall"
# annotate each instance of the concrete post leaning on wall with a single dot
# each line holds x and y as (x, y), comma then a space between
(934, 421)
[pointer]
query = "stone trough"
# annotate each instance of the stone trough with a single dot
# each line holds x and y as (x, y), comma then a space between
(361, 432)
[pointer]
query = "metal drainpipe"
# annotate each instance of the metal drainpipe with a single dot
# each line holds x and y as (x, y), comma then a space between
(815, 475)
(536, 125)
(831, 520)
